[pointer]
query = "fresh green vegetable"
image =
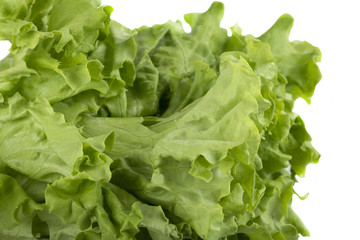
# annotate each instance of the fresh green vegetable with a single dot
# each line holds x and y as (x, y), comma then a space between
(154, 133)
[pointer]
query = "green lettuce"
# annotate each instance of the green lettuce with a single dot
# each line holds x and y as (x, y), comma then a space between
(153, 133)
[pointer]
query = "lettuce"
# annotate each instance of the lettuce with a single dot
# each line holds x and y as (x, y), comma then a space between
(153, 133)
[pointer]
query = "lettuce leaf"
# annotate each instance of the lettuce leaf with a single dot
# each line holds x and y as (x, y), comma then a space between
(153, 133)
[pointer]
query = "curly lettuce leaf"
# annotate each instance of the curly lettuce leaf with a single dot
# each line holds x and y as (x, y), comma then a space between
(16, 209)
(296, 60)
(152, 133)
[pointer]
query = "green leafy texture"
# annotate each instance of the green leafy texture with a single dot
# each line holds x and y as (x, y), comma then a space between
(77, 30)
(41, 145)
(12, 69)
(50, 226)
(94, 162)
(152, 133)
(17, 9)
(21, 33)
(296, 60)
(185, 144)
(59, 80)
(36, 141)
(142, 99)
(299, 148)
(176, 54)
(33, 188)
(81, 201)
(119, 66)
(142, 96)
(16, 209)
(57, 76)
(105, 211)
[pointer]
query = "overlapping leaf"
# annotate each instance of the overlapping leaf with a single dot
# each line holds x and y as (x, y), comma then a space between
(153, 133)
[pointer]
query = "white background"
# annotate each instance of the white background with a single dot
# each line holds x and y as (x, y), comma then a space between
(332, 208)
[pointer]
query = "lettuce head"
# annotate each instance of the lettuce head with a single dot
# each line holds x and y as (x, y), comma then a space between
(108, 133)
